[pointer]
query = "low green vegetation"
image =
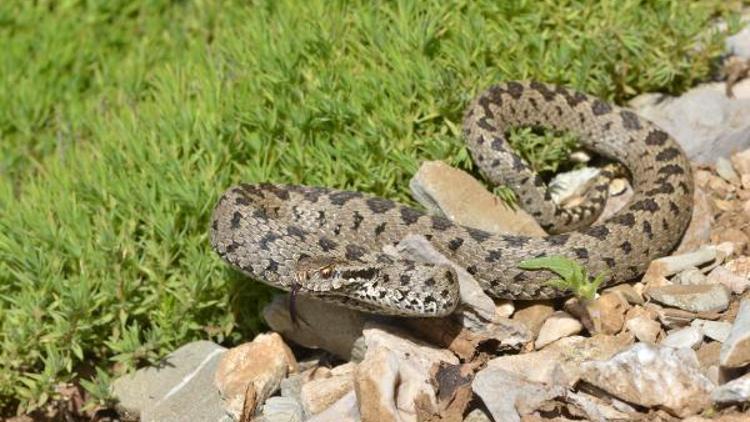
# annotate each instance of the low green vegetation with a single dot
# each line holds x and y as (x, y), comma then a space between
(121, 122)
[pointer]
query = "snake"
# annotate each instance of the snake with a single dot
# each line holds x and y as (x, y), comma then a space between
(332, 244)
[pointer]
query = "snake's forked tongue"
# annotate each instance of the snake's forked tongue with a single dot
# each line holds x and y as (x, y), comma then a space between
(293, 302)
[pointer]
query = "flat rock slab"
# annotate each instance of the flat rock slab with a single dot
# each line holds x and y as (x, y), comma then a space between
(180, 388)
(447, 191)
(735, 352)
(705, 122)
(693, 298)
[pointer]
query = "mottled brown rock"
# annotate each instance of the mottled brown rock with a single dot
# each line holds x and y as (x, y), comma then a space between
(264, 362)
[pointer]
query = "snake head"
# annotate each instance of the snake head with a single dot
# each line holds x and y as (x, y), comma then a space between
(401, 288)
(319, 274)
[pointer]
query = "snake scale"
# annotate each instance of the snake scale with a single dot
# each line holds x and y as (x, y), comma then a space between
(329, 243)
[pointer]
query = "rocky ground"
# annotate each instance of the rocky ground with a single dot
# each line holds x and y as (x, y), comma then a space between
(674, 344)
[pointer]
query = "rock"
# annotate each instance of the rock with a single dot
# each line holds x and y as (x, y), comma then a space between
(568, 185)
(319, 394)
(607, 313)
(735, 391)
(455, 194)
(698, 231)
(320, 324)
(344, 410)
(509, 334)
(644, 329)
(741, 161)
(696, 298)
(715, 330)
(598, 409)
(260, 364)
(179, 388)
(282, 409)
(503, 308)
(664, 267)
(395, 372)
(558, 325)
(533, 316)
(473, 298)
(725, 170)
(691, 276)
(671, 318)
(477, 415)
(735, 236)
(425, 355)
(560, 362)
(724, 276)
(653, 376)
(501, 335)
(627, 292)
(740, 266)
(735, 351)
(508, 396)
(620, 192)
(705, 122)
(690, 337)
(739, 43)
(376, 379)
(708, 354)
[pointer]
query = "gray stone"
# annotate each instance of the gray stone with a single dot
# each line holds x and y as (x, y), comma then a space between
(645, 330)
(571, 184)
(726, 171)
(653, 376)
(558, 325)
(669, 265)
(724, 276)
(698, 232)
(704, 120)
(179, 388)
(715, 330)
(691, 276)
(394, 373)
(739, 43)
(533, 316)
(735, 391)
(693, 298)
(560, 362)
(690, 337)
(735, 351)
(344, 410)
(320, 324)
(508, 396)
(282, 409)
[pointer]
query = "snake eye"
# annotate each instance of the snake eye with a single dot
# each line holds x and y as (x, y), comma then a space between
(326, 272)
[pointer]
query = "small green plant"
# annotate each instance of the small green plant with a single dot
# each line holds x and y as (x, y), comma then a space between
(99, 389)
(573, 276)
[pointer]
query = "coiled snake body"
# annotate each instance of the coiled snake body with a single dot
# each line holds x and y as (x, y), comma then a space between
(328, 243)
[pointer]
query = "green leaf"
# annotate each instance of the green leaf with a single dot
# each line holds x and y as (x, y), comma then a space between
(560, 265)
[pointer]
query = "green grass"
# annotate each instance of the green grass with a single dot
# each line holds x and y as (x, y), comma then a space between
(122, 121)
